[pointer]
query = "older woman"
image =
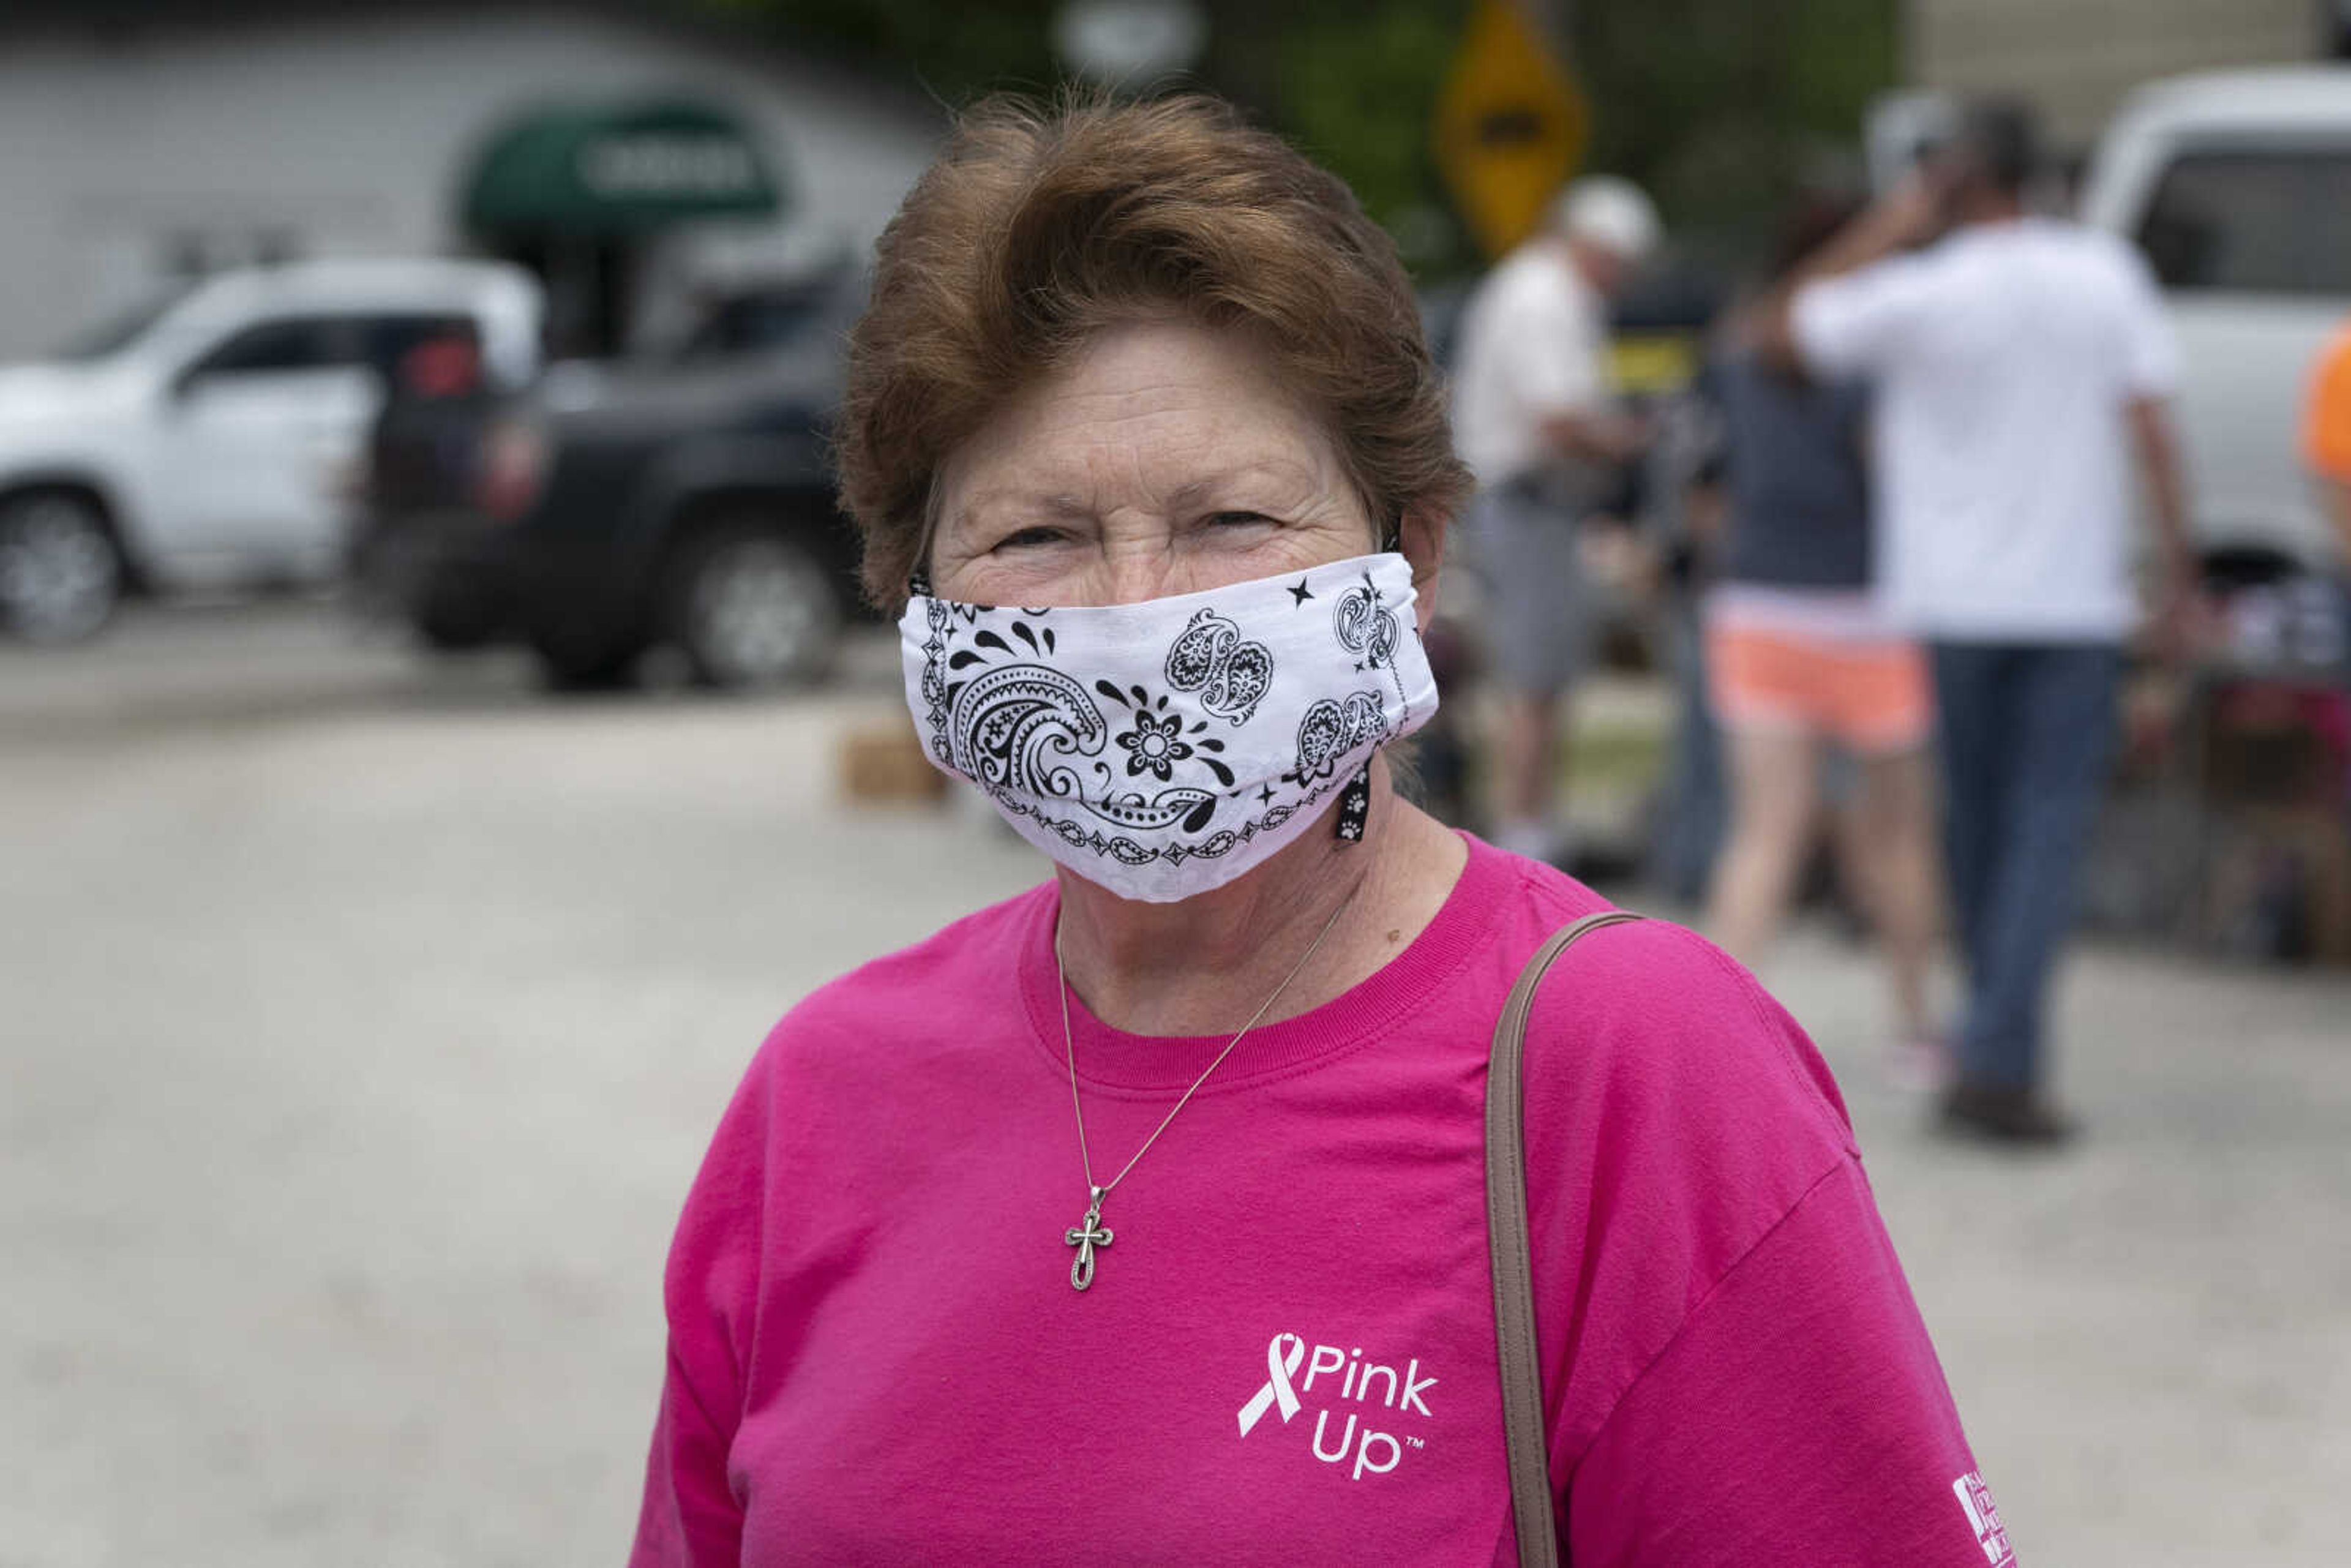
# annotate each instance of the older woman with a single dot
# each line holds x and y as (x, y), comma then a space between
(1142, 1217)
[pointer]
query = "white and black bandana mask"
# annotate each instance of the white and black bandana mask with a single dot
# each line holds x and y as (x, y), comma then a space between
(1164, 749)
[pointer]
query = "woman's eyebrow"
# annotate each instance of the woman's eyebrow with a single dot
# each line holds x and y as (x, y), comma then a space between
(1282, 475)
(1295, 481)
(1062, 505)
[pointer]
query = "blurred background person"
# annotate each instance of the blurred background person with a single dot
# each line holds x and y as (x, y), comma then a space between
(2020, 366)
(1691, 820)
(1799, 657)
(2326, 449)
(2327, 444)
(1538, 422)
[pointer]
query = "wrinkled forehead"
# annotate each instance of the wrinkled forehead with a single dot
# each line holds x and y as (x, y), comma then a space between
(1149, 420)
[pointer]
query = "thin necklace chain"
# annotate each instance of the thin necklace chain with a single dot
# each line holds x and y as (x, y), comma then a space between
(1070, 1049)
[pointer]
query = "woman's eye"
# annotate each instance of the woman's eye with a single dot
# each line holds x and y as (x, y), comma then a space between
(1025, 539)
(1238, 519)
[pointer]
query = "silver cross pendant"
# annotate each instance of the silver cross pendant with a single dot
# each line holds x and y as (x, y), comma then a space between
(1085, 1238)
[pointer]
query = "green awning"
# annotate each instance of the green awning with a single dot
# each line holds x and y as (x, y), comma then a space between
(583, 170)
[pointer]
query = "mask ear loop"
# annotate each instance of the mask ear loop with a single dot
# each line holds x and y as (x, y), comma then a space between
(1355, 800)
(918, 581)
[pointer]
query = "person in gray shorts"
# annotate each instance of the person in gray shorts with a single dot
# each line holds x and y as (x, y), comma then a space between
(1522, 544)
(1536, 418)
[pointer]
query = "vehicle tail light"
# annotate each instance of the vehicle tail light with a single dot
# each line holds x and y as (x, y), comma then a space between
(513, 469)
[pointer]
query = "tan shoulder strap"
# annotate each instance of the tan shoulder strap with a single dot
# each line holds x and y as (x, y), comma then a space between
(1506, 1234)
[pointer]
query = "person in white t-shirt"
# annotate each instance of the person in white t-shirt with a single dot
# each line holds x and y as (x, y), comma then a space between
(2020, 367)
(1536, 417)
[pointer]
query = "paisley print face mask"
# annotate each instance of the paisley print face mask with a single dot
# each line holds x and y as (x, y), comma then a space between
(1164, 749)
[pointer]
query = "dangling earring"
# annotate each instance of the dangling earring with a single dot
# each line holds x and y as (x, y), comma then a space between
(1355, 807)
(1355, 800)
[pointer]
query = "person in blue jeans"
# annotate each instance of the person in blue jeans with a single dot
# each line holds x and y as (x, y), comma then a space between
(2021, 367)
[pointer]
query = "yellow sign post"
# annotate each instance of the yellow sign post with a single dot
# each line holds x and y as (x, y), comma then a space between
(1510, 126)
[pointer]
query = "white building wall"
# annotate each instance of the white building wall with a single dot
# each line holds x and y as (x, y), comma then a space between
(354, 137)
(2075, 61)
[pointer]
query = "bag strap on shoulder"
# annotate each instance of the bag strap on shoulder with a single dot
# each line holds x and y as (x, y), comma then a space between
(1506, 1234)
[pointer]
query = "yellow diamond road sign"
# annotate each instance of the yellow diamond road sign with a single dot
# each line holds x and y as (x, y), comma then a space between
(1509, 126)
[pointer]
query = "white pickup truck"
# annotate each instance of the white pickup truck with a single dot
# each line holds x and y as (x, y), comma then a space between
(206, 441)
(2237, 187)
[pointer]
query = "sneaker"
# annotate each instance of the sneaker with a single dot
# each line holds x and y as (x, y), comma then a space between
(2003, 1115)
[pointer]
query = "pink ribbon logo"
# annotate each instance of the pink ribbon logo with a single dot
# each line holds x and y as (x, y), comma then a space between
(1278, 1365)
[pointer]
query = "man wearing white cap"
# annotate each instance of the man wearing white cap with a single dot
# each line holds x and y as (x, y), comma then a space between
(1536, 418)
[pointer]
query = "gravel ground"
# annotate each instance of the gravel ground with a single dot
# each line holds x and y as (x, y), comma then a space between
(365, 1020)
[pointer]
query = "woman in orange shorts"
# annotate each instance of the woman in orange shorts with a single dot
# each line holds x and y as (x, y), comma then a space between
(1798, 659)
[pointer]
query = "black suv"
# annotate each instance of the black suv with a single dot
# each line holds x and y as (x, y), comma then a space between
(685, 498)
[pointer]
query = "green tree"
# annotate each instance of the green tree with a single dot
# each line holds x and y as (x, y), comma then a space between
(1720, 106)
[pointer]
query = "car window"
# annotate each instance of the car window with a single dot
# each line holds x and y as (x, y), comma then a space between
(385, 341)
(288, 343)
(2260, 221)
(376, 340)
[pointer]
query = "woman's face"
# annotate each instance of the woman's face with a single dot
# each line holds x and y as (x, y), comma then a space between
(1166, 459)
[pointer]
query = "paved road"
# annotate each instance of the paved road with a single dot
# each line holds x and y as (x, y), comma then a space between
(364, 1020)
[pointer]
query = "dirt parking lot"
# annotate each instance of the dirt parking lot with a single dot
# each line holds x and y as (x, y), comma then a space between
(365, 1020)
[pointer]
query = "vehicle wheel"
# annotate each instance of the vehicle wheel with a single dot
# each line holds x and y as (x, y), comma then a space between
(455, 627)
(752, 607)
(59, 575)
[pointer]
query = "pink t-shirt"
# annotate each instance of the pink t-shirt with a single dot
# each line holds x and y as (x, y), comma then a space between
(1287, 1356)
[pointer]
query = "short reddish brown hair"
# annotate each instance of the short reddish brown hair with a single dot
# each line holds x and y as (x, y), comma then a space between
(1036, 228)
